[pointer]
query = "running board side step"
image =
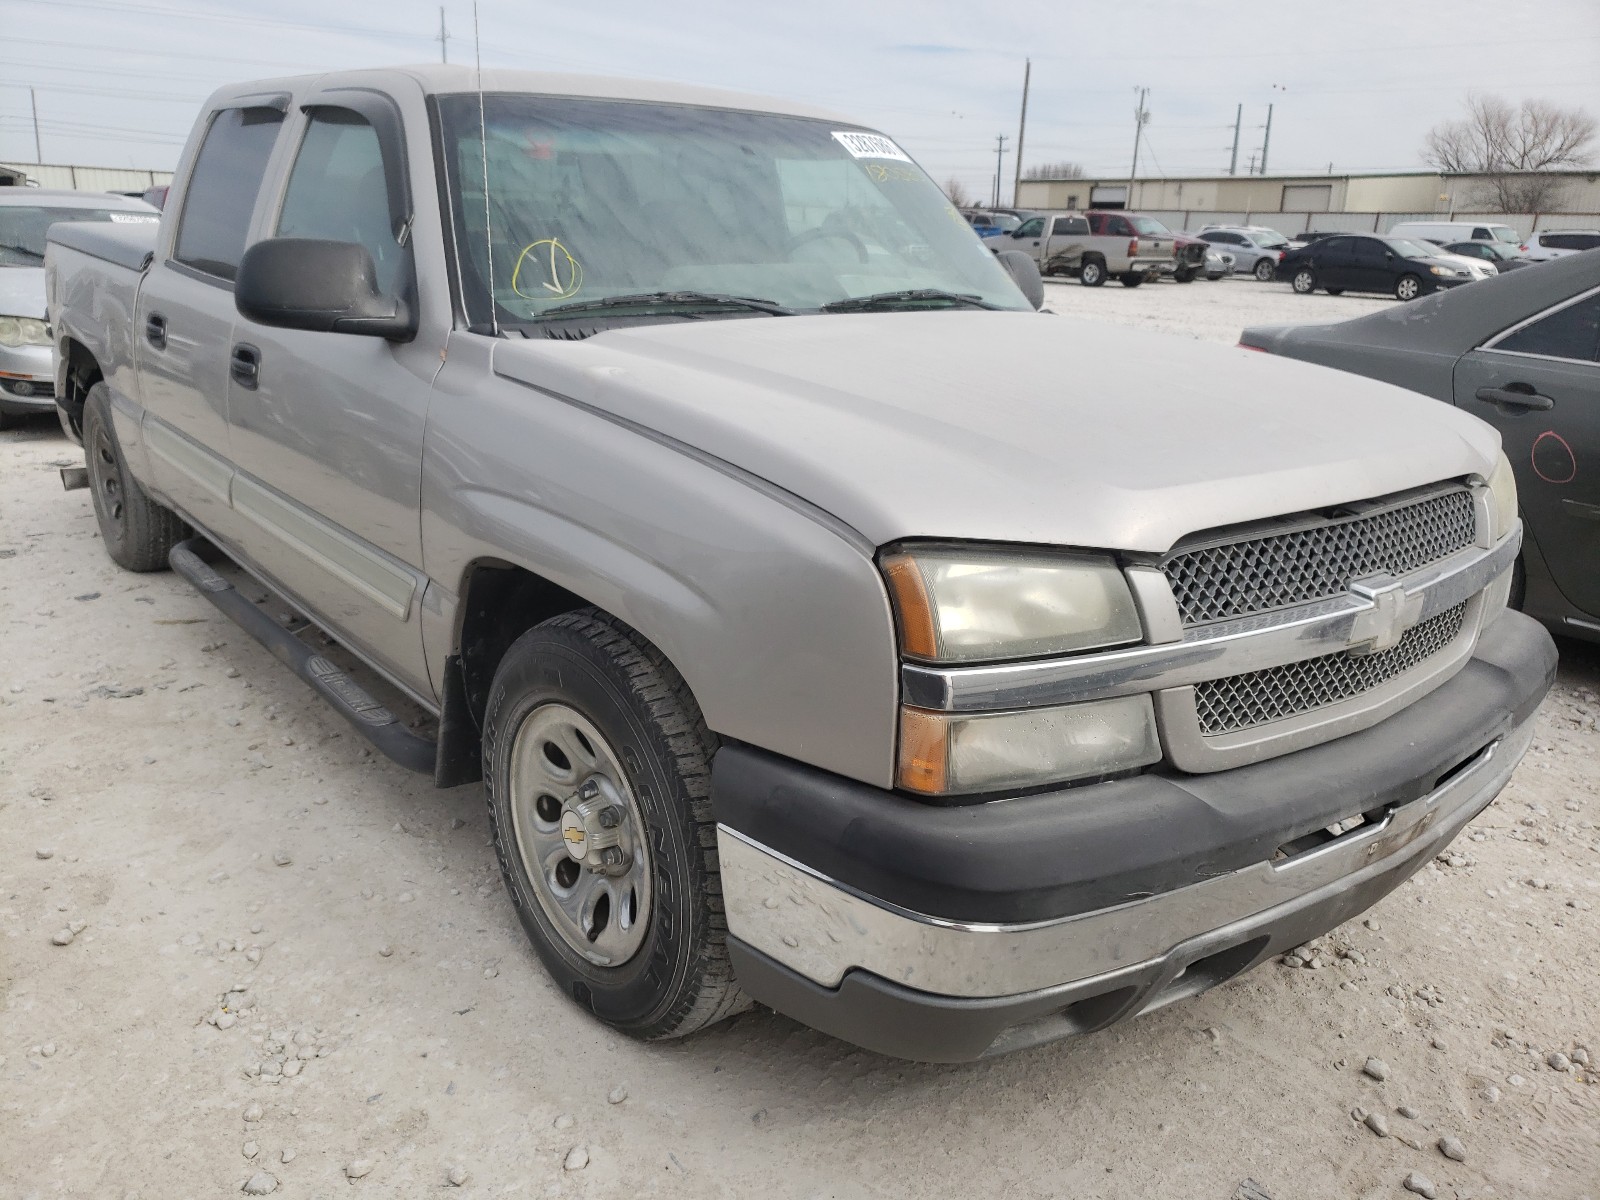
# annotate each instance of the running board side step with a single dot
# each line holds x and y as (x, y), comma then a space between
(369, 718)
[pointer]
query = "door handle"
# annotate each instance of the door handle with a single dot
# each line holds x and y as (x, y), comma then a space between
(155, 330)
(1514, 396)
(245, 366)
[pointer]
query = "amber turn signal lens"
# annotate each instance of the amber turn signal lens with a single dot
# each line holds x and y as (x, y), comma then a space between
(924, 752)
(919, 634)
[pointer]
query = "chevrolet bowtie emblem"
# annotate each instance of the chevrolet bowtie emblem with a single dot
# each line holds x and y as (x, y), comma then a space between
(575, 836)
(1381, 627)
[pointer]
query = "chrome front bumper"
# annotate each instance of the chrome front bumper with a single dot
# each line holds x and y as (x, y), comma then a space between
(824, 932)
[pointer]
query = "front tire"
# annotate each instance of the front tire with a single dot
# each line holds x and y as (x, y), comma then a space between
(1407, 287)
(138, 533)
(1335, 291)
(1264, 270)
(593, 742)
(1131, 279)
(1092, 273)
(1304, 282)
(1184, 276)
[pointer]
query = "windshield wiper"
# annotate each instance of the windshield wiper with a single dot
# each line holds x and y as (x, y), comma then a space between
(670, 300)
(912, 297)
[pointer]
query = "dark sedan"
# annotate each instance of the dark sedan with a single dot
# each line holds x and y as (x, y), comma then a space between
(1522, 351)
(1364, 262)
(1503, 257)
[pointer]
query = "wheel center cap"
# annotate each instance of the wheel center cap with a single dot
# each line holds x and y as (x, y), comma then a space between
(592, 826)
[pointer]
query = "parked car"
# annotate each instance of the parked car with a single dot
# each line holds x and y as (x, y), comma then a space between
(27, 376)
(1499, 255)
(991, 225)
(812, 648)
(1218, 264)
(1311, 235)
(1456, 231)
(1256, 250)
(1523, 353)
(1361, 262)
(1093, 246)
(1558, 243)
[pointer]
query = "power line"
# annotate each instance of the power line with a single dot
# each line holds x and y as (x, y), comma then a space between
(232, 18)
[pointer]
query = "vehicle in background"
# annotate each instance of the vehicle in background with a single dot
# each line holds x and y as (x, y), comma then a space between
(1219, 265)
(1097, 245)
(991, 224)
(1190, 254)
(1522, 353)
(1456, 231)
(1499, 255)
(1296, 241)
(1558, 243)
(1365, 262)
(716, 495)
(1256, 249)
(27, 374)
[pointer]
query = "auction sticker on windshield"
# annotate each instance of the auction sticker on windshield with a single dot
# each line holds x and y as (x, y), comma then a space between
(869, 145)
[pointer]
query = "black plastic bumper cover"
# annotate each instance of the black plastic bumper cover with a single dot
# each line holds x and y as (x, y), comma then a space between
(1061, 853)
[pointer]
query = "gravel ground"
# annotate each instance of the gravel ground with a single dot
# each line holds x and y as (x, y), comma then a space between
(243, 955)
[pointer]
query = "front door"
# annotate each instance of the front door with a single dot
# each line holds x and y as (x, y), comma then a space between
(1372, 266)
(327, 427)
(185, 316)
(1331, 262)
(1539, 385)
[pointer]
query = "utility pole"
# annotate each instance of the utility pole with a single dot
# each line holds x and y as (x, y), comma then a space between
(999, 166)
(1266, 140)
(444, 49)
(1238, 119)
(1140, 116)
(1022, 127)
(1252, 169)
(38, 154)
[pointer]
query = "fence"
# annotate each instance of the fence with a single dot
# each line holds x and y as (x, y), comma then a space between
(1369, 222)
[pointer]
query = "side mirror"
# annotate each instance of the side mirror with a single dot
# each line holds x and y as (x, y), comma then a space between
(326, 287)
(1025, 274)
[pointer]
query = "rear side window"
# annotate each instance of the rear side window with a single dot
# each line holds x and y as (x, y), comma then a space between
(1571, 332)
(1481, 232)
(222, 189)
(338, 192)
(1070, 225)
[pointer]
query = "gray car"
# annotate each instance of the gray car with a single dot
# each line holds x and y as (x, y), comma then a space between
(27, 374)
(1256, 250)
(1521, 351)
(828, 627)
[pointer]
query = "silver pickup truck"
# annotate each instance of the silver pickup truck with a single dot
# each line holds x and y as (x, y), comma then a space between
(720, 496)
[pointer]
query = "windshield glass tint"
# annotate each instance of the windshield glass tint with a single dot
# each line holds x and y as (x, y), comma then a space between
(22, 228)
(1150, 227)
(595, 198)
(1409, 249)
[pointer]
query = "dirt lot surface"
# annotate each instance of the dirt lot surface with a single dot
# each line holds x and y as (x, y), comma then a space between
(191, 822)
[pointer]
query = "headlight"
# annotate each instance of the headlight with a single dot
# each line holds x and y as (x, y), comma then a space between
(1449, 271)
(23, 331)
(980, 604)
(948, 753)
(1502, 499)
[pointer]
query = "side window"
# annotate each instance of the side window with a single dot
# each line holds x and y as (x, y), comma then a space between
(338, 192)
(1583, 241)
(1571, 332)
(222, 189)
(1097, 223)
(1070, 225)
(1119, 227)
(1481, 232)
(1368, 251)
(1032, 227)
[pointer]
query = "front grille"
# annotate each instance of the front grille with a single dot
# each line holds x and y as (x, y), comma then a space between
(1261, 697)
(1275, 570)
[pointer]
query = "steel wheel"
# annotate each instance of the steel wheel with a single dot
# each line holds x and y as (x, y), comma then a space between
(580, 834)
(105, 478)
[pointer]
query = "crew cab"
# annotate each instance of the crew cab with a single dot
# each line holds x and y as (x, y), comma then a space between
(818, 640)
(1096, 245)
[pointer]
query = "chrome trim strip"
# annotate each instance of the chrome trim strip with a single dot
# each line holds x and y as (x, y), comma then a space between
(192, 461)
(822, 929)
(1206, 652)
(386, 584)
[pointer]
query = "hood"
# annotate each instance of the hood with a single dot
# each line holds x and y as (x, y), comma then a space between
(1008, 426)
(22, 292)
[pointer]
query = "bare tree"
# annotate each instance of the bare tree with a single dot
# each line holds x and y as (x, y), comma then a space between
(957, 192)
(1055, 170)
(1510, 145)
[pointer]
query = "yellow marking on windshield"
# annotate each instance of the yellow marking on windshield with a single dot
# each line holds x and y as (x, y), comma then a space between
(562, 275)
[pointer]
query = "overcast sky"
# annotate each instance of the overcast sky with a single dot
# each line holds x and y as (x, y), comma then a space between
(1356, 83)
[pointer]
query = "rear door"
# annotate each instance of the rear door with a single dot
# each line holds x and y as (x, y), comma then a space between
(1371, 266)
(327, 427)
(1554, 362)
(1331, 261)
(185, 314)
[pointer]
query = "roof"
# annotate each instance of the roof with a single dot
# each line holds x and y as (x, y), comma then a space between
(63, 198)
(452, 79)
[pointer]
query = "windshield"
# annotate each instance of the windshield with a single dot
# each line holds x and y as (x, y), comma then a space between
(1268, 239)
(22, 228)
(1150, 227)
(1406, 248)
(1504, 233)
(589, 199)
